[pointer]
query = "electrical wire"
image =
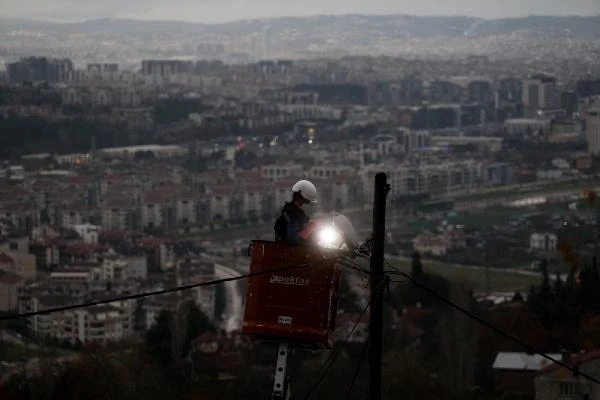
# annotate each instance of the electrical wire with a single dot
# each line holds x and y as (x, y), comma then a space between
(499, 331)
(362, 357)
(333, 357)
(349, 263)
(155, 293)
(344, 262)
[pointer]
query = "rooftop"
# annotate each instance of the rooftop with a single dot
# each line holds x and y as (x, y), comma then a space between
(574, 361)
(522, 361)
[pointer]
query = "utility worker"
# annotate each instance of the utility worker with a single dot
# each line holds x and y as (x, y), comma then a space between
(293, 226)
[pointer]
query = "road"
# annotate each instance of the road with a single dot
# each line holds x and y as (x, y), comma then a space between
(234, 307)
(517, 271)
(550, 194)
(521, 188)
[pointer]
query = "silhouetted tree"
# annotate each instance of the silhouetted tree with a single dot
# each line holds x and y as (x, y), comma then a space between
(96, 376)
(588, 337)
(197, 324)
(173, 110)
(459, 344)
(160, 338)
(517, 298)
(143, 156)
(416, 270)
(404, 368)
(410, 294)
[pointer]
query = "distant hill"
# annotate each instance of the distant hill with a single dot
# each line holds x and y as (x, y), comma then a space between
(578, 27)
(394, 26)
(123, 41)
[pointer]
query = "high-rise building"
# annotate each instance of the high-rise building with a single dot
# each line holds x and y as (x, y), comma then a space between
(94, 68)
(444, 92)
(166, 67)
(110, 67)
(569, 102)
(408, 91)
(510, 90)
(587, 88)
(403, 92)
(592, 128)
(479, 91)
(539, 93)
(37, 69)
(266, 42)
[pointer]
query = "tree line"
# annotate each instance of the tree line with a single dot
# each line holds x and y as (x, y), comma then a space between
(31, 135)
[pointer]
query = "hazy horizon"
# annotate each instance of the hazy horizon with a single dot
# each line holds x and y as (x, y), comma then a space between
(211, 11)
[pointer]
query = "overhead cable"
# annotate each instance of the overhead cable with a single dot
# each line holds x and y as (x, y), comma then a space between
(154, 293)
(334, 355)
(499, 331)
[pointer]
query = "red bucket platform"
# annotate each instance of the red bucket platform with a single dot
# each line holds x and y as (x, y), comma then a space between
(297, 305)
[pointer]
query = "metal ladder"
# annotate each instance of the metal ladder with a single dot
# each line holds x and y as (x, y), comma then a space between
(281, 384)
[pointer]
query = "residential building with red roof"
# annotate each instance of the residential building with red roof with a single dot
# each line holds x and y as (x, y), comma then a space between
(555, 382)
(515, 372)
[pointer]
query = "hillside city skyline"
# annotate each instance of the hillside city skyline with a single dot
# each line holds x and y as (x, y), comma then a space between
(156, 236)
(230, 11)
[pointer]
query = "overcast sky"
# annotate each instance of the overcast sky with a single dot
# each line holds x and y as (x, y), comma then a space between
(212, 11)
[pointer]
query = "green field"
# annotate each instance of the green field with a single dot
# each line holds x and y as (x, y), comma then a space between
(499, 280)
(543, 189)
(483, 218)
(501, 214)
(475, 219)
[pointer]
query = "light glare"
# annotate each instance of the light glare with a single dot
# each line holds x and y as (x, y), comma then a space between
(330, 238)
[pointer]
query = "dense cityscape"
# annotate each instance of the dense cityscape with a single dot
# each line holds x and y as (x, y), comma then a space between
(124, 174)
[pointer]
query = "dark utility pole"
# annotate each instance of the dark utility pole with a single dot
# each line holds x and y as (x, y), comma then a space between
(377, 282)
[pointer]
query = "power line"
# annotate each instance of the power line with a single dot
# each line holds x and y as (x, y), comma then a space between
(333, 357)
(336, 353)
(362, 356)
(499, 331)
(354, 266)
(153, 293)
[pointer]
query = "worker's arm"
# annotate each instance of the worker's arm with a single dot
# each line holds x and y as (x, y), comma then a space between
(295, 232)
(308, 230)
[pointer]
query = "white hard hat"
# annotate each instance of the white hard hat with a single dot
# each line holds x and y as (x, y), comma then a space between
(306, 189)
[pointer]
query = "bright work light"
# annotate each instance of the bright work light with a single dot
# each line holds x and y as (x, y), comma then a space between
(330, 238)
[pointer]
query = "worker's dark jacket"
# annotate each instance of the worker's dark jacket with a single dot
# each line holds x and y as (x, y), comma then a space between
(290, 223)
